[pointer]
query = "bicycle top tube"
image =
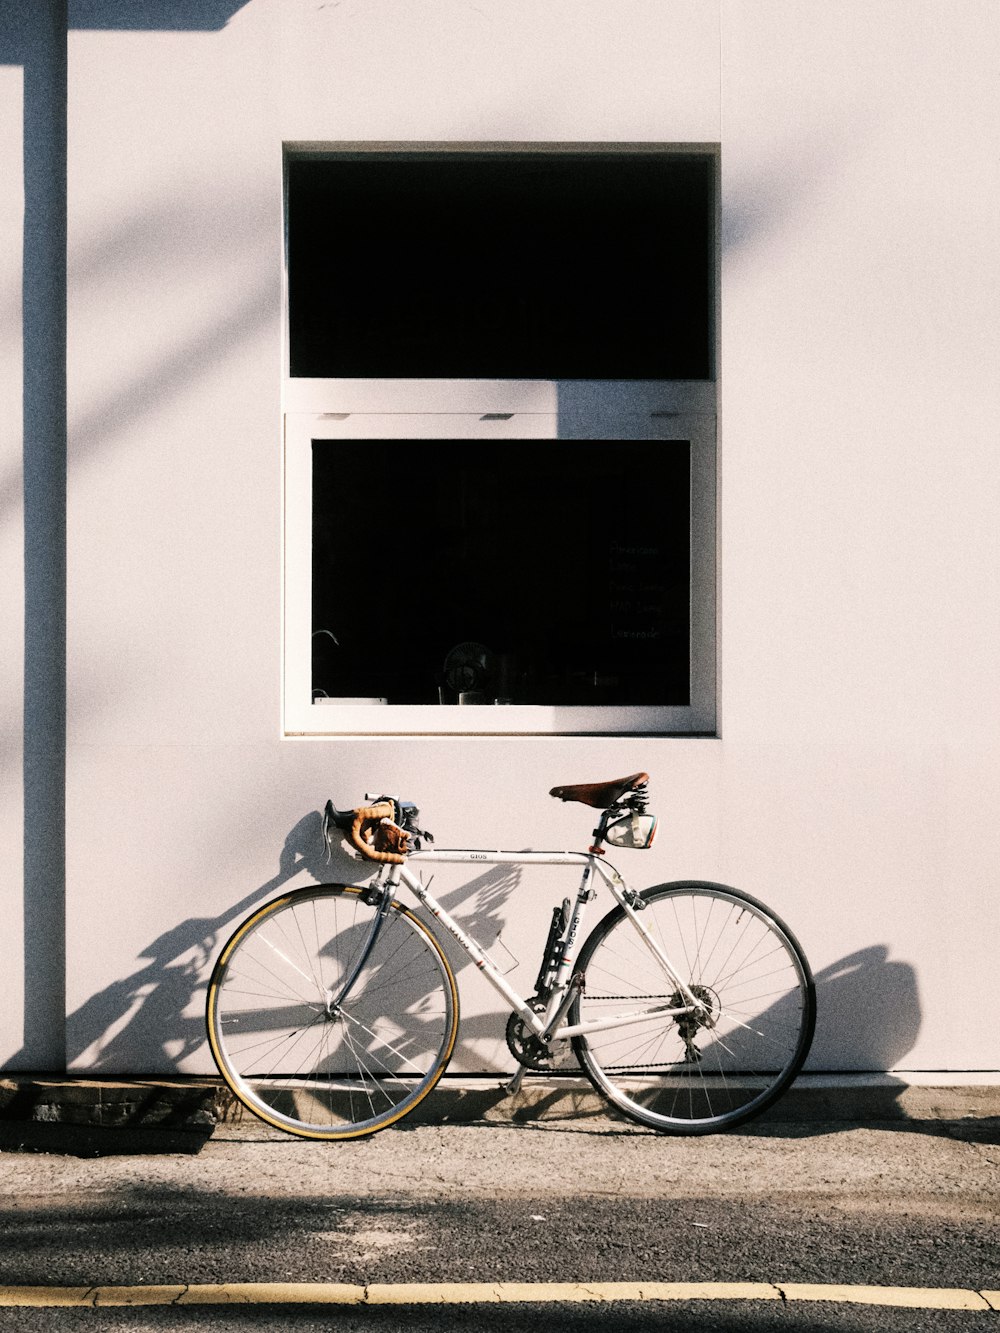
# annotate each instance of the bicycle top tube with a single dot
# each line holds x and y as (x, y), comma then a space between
(481, 856)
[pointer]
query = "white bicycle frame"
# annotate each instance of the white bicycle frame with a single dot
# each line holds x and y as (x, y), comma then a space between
(549, 1026)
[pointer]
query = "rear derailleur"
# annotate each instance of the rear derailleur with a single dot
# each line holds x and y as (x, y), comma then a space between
(690, 1024)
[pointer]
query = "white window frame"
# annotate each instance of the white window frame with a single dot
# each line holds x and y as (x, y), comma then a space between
(519, 410)
(316, 409)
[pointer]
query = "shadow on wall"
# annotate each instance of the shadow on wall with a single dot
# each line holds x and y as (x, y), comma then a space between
(868, 1013)
(868, 1005)
(867, 1021)
(147, 1022)
(34, 37)
(152, 1020)
(152, 15)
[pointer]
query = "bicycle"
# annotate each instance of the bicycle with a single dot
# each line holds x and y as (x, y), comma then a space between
(333, 1010)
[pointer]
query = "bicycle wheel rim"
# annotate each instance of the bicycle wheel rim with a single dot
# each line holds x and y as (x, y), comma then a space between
(308, 1066)
(748, 969)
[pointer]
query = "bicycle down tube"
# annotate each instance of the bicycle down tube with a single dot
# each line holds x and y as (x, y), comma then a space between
(541, 1024)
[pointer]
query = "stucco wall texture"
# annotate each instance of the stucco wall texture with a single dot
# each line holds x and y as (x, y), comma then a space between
(854, 783)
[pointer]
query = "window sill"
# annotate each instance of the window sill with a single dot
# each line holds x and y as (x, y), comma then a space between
(334, 719)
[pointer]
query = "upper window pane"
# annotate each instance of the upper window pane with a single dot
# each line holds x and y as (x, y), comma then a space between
(501, 266)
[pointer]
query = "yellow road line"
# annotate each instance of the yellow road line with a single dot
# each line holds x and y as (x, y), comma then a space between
(206, 1293)
(455, 1293)
(918, 1298)
(468, 1293)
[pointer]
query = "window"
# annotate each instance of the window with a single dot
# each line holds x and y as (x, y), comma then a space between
(593, 266)
(500, 442)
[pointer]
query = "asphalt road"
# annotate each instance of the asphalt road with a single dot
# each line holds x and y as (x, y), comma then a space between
(905, 1205)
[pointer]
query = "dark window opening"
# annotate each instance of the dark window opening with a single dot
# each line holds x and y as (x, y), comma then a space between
(510, 266)
(538, 572)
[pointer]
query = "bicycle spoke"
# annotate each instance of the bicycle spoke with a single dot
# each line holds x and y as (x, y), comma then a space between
(350, 1070)
(382, 1042)
(361, 1073)
(697, 1067)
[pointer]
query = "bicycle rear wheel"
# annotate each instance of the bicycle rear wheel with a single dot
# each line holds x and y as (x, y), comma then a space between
(693, 1073)
(296, 1057)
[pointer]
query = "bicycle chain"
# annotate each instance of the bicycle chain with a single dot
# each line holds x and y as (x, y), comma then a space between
(592, 996)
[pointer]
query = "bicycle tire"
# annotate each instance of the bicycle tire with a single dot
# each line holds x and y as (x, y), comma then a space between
(674, 1075)
(321, 1074)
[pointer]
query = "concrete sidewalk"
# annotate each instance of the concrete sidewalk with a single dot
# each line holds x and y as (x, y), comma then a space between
(178, 1114)
(838, 1214)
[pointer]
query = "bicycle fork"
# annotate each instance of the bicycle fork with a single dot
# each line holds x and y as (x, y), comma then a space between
(378, 895)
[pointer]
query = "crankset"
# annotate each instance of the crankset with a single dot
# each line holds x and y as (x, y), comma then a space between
(527, 1049)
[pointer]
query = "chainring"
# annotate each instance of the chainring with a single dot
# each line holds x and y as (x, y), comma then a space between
(525, 1047)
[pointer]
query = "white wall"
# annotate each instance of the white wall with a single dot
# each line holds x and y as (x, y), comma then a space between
(854, 786)
(860, 487)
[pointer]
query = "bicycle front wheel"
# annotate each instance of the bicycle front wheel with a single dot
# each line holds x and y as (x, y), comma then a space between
(694, 1071)
(308, 1059)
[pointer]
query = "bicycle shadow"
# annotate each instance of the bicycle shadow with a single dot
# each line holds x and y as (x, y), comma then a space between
(477, 906)
(867, 1002)
(152, 1020)
(868, 1005)
(143, 1022)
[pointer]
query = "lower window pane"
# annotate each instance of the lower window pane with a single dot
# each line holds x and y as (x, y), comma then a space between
(531, 572)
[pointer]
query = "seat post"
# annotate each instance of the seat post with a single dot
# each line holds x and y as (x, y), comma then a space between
(596, 849)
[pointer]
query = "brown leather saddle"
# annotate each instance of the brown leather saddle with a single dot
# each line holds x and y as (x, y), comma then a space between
(600, 794)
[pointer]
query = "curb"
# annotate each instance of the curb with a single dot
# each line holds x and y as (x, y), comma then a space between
(407, 1294)
(194, 1105)
(92, 1118)
(183, 1112)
